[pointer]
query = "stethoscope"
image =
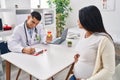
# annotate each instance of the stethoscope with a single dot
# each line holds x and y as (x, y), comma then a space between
(36, 35)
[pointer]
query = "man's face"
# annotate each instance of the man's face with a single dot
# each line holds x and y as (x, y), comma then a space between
(32, 22)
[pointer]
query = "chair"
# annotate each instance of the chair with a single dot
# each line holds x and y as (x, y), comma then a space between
(3, 47)
(3, 50)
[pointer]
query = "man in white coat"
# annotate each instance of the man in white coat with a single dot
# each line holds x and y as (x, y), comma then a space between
(26, 34)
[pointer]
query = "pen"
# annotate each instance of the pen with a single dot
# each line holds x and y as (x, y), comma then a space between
(40, 52)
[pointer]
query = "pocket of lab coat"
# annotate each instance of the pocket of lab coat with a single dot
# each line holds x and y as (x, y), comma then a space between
(35, 39)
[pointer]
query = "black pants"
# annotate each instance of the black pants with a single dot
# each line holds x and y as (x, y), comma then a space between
(72, 77)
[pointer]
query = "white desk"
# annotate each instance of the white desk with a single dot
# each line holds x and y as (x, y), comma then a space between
(44, 66)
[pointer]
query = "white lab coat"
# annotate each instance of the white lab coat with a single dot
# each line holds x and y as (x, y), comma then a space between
(18, 40)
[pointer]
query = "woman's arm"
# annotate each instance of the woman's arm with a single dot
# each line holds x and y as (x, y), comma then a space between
(108, 62)
(76, 57)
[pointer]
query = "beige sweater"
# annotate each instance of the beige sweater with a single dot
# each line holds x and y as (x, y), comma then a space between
(105, 61)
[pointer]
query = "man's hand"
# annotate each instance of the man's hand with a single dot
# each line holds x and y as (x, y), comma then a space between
(76, 57)
(28, 50)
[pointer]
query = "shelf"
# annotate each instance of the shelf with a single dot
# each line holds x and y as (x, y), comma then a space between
(6, 33)
(6, 10)
(11, 16)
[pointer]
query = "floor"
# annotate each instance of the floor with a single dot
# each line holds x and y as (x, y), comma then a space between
(60, 76)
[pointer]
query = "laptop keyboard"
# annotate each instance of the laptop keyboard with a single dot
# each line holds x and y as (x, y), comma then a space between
(59, 41)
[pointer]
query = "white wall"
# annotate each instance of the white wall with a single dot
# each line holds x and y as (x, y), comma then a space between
(2, 3)
(110, 18)
(20, 3)
(35, 3)
(9, 16)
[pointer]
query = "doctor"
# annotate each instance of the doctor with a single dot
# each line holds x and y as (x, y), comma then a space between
(26, 34)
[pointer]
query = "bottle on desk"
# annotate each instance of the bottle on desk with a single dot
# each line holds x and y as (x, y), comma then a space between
(49, 36)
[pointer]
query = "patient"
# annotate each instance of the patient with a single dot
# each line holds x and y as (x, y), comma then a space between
(95, 53)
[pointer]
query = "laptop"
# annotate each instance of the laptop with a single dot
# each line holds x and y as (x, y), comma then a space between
(1, 26)
(60, 39)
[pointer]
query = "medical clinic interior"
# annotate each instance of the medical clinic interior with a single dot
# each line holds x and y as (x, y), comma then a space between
(59, 40)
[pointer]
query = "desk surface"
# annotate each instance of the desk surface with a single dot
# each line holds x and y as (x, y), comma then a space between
(46, 65)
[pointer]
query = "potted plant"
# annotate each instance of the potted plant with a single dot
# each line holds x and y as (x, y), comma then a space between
(62, 11)
(69, 43)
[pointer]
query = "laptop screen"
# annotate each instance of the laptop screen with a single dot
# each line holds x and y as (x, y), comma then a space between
(64, 34)
(1, 27)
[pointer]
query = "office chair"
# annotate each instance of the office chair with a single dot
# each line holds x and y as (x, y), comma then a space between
(3, 47)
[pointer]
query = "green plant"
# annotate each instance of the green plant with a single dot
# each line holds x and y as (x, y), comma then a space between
(69, 43)
(62, 11)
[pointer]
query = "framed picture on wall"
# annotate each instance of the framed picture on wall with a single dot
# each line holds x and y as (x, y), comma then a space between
(108, 5)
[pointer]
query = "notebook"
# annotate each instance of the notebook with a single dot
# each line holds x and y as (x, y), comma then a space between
(62, 38)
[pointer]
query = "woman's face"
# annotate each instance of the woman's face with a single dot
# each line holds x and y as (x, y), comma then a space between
(79, 24)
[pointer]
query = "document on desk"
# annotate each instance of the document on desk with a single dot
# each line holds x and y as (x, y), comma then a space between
(39, 51)
(73, 36)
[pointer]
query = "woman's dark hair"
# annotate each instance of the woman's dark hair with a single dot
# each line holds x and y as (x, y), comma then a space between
(91, 19)
(36, 14)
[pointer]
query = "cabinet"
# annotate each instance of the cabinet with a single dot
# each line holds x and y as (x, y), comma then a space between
(14, 17)
(8, 17)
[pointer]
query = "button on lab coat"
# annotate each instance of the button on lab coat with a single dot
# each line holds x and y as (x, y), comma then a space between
(18, 39)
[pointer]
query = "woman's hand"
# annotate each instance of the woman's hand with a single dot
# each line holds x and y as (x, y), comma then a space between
(76, 57)
(28, 50)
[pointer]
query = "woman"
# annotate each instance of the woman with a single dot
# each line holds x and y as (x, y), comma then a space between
(95, 58)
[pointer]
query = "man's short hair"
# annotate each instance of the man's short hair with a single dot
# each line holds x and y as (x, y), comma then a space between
(36, 14)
